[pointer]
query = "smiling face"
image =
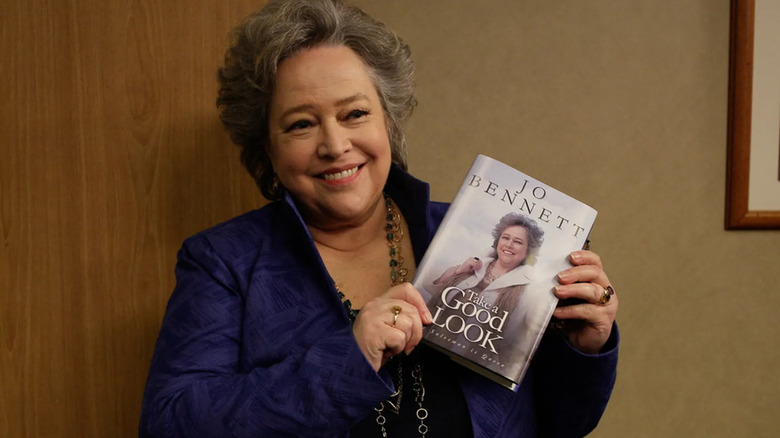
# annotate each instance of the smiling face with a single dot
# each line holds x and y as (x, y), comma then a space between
(512, 246)
(328, 139)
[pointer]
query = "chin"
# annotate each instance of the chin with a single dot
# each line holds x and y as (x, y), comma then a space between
(354, 208)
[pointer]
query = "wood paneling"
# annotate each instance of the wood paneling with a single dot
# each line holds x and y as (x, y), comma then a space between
(111, 154)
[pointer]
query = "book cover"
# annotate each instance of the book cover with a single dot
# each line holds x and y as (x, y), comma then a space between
(489, 273)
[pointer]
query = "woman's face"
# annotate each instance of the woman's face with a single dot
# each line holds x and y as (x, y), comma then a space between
(329, 145)
(512, 246)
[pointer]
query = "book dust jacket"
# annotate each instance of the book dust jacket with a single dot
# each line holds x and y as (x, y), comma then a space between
(489, 273)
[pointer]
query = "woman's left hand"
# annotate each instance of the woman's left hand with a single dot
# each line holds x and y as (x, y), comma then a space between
(587, 283)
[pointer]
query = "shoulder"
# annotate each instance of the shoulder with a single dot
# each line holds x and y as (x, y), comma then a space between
(519, 276)
(249, 225)
(249, 233)
(437, 210)
(257, 243)
(434, 215)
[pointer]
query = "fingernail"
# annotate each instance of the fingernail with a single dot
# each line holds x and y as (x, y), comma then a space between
(575, 257)
(562, 276)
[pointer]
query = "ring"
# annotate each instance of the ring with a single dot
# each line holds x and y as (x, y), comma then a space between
(396, 310)
(605, 297)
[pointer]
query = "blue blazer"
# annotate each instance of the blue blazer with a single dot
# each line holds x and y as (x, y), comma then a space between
(255, 342)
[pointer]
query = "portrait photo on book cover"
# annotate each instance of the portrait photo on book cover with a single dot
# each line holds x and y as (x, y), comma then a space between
(489, 272)
(484, 306)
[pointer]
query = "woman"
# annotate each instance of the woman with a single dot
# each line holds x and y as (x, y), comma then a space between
(256, 340)
(498, 280)
(500, 277)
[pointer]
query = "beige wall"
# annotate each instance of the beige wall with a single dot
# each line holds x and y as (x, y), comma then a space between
(622, 104)
(110, 154)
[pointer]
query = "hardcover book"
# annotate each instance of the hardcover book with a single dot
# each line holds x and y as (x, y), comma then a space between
(489, 273)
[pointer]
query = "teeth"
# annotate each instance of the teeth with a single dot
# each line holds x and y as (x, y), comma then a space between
(339, 175)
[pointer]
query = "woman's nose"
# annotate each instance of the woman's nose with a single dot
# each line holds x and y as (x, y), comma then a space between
(334, 140)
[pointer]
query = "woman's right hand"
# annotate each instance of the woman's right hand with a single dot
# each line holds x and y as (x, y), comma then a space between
(380, 334)
(470, 265)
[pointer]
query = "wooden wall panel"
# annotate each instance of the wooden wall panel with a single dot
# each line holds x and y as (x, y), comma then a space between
(111, 154)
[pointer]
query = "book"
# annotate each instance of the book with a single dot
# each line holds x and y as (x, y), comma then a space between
(489, 272)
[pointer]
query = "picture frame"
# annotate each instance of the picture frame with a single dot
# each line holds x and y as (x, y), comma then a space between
(753, 161)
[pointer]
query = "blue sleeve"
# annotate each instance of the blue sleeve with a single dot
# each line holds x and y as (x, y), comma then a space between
(198, 387)
(572, 389)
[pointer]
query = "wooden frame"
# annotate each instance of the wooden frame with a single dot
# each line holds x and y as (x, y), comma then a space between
(740, 119)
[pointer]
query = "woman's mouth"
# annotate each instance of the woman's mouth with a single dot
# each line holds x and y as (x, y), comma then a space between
(340, 175)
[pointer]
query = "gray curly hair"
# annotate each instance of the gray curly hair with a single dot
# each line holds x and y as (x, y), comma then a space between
(283, 28)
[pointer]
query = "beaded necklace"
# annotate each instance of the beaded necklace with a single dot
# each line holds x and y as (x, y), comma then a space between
(398, 273)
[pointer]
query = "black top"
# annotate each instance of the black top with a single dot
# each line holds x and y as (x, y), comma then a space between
(448, 414)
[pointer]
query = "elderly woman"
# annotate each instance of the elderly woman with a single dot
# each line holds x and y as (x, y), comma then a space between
(257, 340)
(499, 279)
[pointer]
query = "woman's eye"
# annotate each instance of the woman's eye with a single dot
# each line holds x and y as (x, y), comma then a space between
(356, 114)
(300, 124)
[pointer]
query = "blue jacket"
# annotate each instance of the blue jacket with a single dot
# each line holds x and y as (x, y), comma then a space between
(256, 343)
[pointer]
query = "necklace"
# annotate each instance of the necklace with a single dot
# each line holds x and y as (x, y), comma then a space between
(489, 277)
(394, 235)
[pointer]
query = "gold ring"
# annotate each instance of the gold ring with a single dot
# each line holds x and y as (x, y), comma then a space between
(607, 295)
(396, 310)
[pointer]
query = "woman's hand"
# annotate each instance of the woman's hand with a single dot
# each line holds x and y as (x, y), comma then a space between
(471, 264)
(597, 305)
(382, 331)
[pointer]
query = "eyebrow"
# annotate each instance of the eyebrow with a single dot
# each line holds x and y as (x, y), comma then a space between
(307, 106)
